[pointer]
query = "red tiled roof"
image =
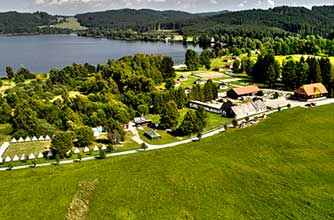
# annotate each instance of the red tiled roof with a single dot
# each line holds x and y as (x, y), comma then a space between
(247, 90)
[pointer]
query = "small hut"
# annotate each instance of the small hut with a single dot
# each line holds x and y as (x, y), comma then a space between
(41, 138)
(32, 156)
(21, 140)
(27, 139)
(47, 138)
(40, 155)
(86, 150)
(16, 158)
(76, 151)
(8, 159)
(34, 138)
(23, 157)
(104, 147)
(96, 148)
(14, 140)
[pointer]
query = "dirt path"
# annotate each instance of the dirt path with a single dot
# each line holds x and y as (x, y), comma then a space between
(79, 206)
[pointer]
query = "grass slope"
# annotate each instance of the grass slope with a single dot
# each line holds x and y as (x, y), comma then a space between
(283, 168)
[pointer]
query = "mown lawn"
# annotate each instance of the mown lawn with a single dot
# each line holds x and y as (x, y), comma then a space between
(283, 168)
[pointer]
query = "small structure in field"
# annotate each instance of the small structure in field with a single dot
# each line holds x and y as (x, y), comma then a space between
(177, 83)
(16, 158)
(222, 85)
(20, 140)
(34, 138)
(104, 147)
(86, 150)
(8, 159)
(243, 110)
(47, 138)
(199, 81)
(41, 138)
(32, 156)
(229, 65)
(96, 148)
(50, 154)
(24, 157)
(153, 135)
(210, 107)
(27, 139)
(311, 91)
(187, 90)
(40, 155)
(76, 151)
(14, 141)
(243, 91)
(183, 78)
(226, 59)
(217, 68)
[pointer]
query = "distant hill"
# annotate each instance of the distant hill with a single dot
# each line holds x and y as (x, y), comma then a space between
(131, 18)
(15, 22)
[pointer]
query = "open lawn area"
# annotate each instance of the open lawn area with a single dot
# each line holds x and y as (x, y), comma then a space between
(70, 23)
(297, 57)
(27, 148)
(282, 168)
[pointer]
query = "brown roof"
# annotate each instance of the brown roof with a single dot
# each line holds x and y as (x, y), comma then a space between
(312, 89)
(246, 90)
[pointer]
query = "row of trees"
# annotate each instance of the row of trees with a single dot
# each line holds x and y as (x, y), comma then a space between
(206, 93)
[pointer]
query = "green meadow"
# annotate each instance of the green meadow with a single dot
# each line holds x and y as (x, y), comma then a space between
(282, 168)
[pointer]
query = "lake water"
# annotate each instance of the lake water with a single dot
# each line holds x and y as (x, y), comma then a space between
(40, 53)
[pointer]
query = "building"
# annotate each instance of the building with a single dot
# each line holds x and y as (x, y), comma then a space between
(217, 68)
(141, 121)
(311, 91)
(152, 135)
(97, 131)
(209, 107)
(183, 78)
(222, 85)
(247, 109)
(187, 90)
(229, 65)
(227, 59)
(243, 91)
(199, 82)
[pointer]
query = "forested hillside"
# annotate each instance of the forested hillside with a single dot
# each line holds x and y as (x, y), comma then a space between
(15, 22)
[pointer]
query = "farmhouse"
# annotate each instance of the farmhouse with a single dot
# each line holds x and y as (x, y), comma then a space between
(311, 91)
(151, 134)
(243, 91)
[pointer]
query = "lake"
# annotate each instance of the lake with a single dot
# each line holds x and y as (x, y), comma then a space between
(40, 53)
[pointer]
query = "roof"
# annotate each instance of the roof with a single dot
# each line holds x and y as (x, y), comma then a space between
(152, 134)
(249, 108)
(246, 90)
(312, 89)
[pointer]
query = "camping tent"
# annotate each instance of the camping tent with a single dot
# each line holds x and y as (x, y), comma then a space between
(50, 154)
(21, 140)
(8, 159)
(16, 158)
(47, 138)
(23, 157)
(40, 155)
(34, 138)
(32, 156)
(27, 139)
(96, 148)
(76, 151)
(14, 140)
(86, 150)
(104, 147)
(41, 138)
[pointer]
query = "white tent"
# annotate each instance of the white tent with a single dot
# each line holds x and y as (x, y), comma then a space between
(16, 158)
(40, 155)
(21, 140)
(76, 151)
(34, 138)
(86, 150)
(41, 138)
(1, 160)
(32, 156)
(104, 147)
(27, 139)
(50, 154)
(24, 157)
(8, 159)
(47, 138)
(96, 148)
(14, 140)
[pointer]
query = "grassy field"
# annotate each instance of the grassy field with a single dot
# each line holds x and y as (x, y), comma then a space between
(297, 57)
(72, 24)
(283, 168)
(27, 148)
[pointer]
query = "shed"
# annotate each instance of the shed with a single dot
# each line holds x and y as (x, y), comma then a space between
(243, 91)
(153, 135)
